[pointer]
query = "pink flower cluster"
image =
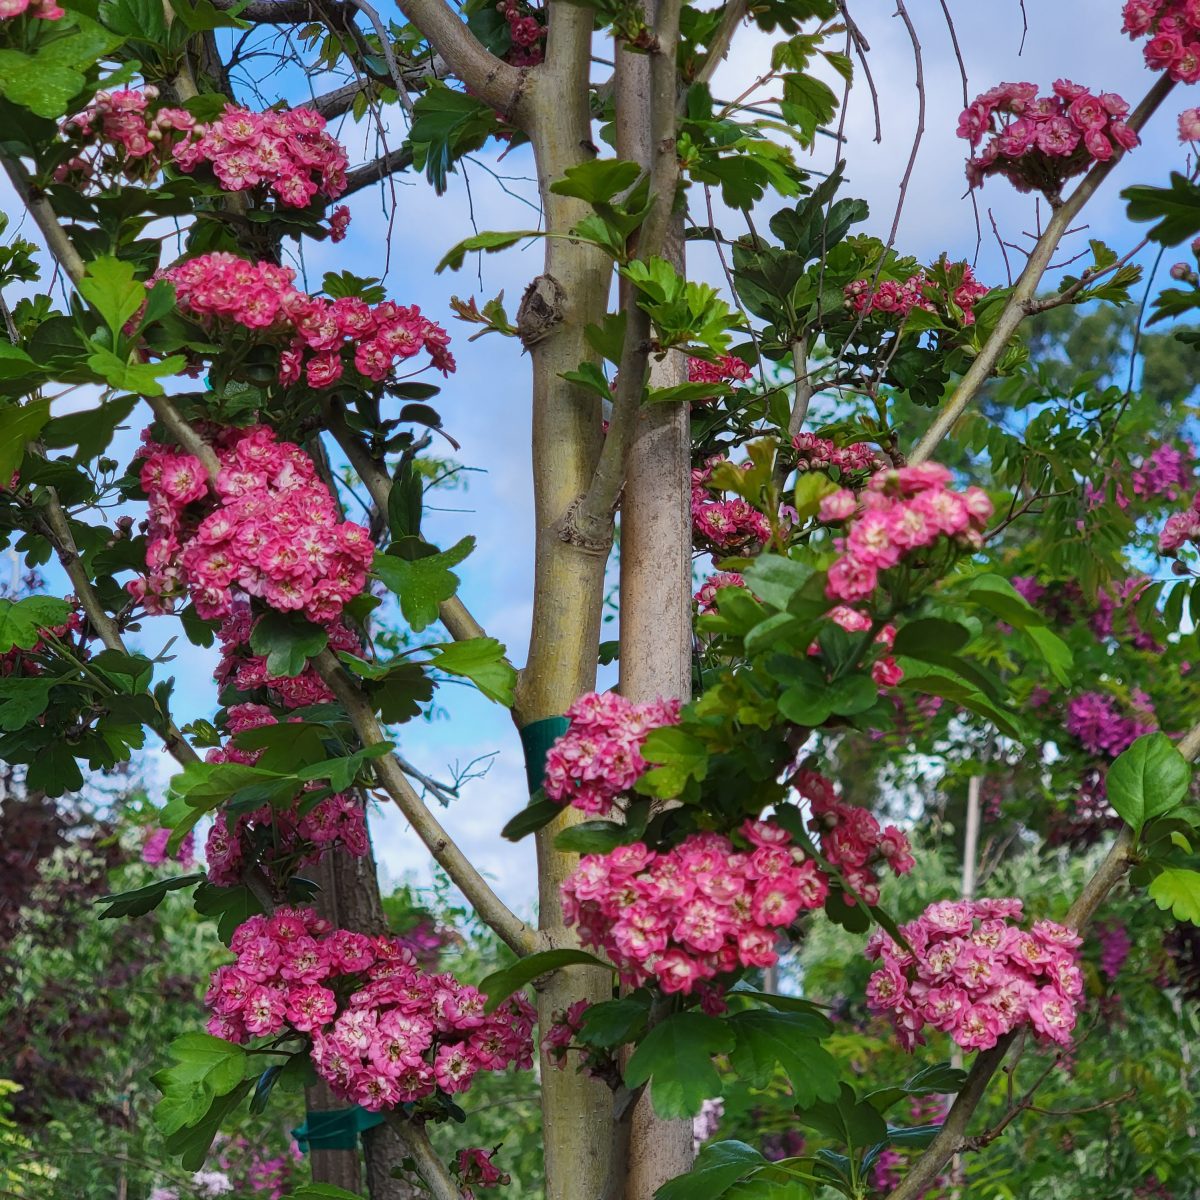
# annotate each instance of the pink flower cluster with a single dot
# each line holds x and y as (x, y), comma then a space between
(1181, 527)
(123, 138)
(383, 1031)
(269, 528)
(973, 973)
(154, 848)
(683, 916)
(724, 524)
(902, 510)
(1166, 471)
(564, 1025)
(599, 758)
(917, 291)
(279, 839)
(288, 153)
(46, 10)
(1096, 721)
(325, 336)
(702, 909)
(727, 369)
(851, 839)
(474, 1168)
(816, 453)
(526, 32)
(1039, 142)
(1114, 948)
(1172, 30)
(706, 597)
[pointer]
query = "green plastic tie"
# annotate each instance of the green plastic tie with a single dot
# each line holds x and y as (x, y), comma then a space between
(334, 1128)
(537, 739)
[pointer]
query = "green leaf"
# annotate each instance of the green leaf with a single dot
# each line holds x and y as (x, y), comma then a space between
(612, 1023)
(931, 635)
(19, 425)
(677, 1056)
(22, 621)
(597, 181)
(536, 814)
(1175, 209)
(499, 985)
(1178, 889)
(811, 488)
(678, 757)
(593, 837)
(1148, 780)
(1054, 652)
(205, 1067)
(489, 242)
(937, 1080)
(131, 376)
(423, 583)
(775, 580)
(482, 661)
(144, 899)
(111, 289)
(288, 641)
(321, 1191)
(716, 1169)
(232, 906)
(790, 1040)
(999, 597)
(847, 1120)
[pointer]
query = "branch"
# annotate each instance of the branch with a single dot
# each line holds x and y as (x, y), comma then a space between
(378, 169)
(589, 525)
(457, 619)
(1023, 296)
(429, 1166)
(514, 932)
(953, 1132)
(498, 83)
(69, 259)
(58, 530)
(732, 16)
(341, 100)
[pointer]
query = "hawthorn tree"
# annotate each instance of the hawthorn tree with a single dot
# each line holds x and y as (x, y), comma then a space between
(787, 426)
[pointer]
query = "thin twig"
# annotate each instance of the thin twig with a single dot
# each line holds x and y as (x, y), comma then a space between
(1015, 310)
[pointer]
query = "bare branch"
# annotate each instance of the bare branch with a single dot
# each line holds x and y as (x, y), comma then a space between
(1017, 308)
(453, 613)
(514, 932)
(428, 1165)
(498, 83)
(378, 169)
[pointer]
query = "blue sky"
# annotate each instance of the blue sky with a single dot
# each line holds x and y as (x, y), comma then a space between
(485, 405)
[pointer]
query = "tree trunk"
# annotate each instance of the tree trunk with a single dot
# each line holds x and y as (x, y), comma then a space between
(571, 293)
(656, 578)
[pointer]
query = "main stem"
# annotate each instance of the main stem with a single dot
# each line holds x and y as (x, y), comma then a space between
(656, 526)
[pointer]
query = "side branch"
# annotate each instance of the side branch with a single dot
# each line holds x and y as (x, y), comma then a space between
(453, 612)
(58, 530)
(1022, 301)
(514, 932)
(953, 1133)
(497, 82)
